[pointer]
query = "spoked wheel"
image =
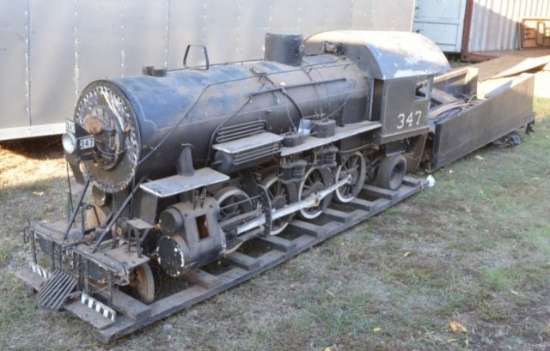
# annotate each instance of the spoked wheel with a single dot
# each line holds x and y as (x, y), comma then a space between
(353, 168)
(391, 172)
(142, 283)
(233, 202)
(316, 179)
(280, 194)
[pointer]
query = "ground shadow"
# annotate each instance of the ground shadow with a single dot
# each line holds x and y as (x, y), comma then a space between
(39, 148)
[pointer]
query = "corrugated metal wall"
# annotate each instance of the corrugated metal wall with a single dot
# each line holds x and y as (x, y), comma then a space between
(494, 24)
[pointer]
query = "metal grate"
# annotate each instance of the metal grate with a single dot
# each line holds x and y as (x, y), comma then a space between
(55, 290)
(239, 131)
(256, 153)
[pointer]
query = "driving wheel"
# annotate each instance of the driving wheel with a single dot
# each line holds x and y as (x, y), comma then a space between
(316, 179)
(353, 168)
(280, 195)
(233, 202)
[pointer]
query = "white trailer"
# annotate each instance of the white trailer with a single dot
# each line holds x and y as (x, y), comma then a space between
(50, 50)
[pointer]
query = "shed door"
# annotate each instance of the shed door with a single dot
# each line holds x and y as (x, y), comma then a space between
(442, 21)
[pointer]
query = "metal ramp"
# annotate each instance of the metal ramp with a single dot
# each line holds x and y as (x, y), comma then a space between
(55, 290)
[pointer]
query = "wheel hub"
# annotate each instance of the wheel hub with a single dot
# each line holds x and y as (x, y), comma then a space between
(278, 202)
(315, 188)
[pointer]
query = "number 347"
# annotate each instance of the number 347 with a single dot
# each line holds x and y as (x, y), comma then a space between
(413, 119)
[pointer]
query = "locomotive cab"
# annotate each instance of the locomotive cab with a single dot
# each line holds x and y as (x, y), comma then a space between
(399, 66)
(402, 106)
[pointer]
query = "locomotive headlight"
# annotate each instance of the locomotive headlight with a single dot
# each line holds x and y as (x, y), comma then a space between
(69, 143)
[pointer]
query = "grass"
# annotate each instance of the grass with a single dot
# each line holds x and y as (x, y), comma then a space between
(474, 249)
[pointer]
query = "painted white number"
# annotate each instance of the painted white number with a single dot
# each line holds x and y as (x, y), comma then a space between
(413, 119)
(410, 120)
(86, 143)
(69, 126)
(418, 115)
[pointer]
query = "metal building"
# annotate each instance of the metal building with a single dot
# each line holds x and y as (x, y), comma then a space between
(50, 50)
(477, 25)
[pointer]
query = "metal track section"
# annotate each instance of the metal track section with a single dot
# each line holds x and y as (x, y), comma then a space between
(252, 258)
(243, 266)
(55, 290)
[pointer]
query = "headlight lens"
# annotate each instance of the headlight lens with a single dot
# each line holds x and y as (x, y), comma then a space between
(69, 143)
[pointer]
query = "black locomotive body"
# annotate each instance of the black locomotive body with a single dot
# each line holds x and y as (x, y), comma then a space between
(184, 166)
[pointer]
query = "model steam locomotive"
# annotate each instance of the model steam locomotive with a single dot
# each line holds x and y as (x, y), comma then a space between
(179, 168)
